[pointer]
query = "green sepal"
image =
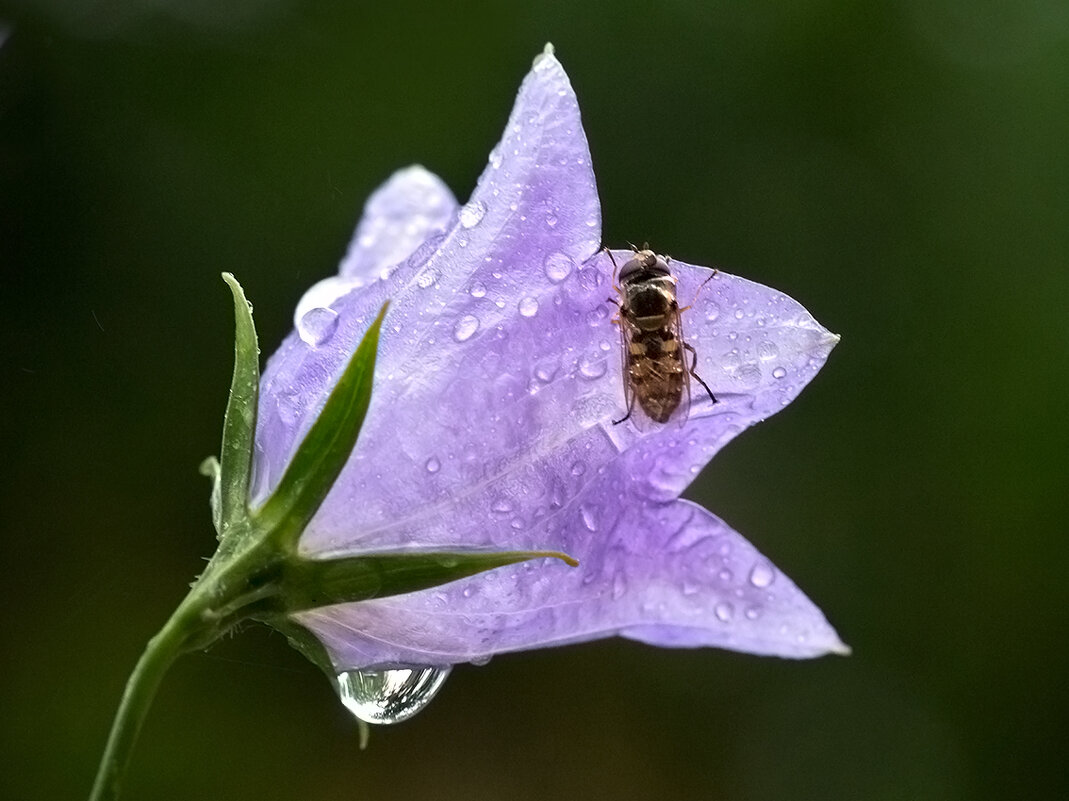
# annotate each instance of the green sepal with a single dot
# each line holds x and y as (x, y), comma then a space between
(239, 425)
(311, 583)
(325, 449)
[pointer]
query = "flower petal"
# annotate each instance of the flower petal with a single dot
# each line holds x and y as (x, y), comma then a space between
(501, 427)
(670, 575)
(402, 214)
(398, 217)
(491, 267)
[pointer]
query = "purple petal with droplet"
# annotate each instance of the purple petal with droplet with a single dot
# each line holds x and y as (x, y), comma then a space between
(498, 378)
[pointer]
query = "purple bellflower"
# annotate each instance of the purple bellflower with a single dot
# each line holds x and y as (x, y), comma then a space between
(491, 423)
(442, 421)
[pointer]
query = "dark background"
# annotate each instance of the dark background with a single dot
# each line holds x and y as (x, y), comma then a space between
(902, 169)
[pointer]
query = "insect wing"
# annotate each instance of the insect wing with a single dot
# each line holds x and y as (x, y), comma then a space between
(682, 413)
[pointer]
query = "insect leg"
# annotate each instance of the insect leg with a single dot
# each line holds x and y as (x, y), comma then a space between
(630, 408)
(693, 371)
(712, 275)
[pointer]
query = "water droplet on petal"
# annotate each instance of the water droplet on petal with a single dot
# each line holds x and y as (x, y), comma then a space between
(433, 465)
(779, 372)
(592, 367)
(724, 612)
(528, 307)
(465, 327)
(578, 468)
(495, 158)
(753, 612)
(558, 266)
(749, 375)
(762, 574)
(767, 351)
(389, 696)
(619, 586)
(478, 290)
(588, 518)
(317, 326)
(712, 311)
(472, 214)
(427, 278)
(589, 278)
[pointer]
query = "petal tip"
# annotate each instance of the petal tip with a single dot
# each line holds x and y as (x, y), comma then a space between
(546, 58)
(842, 649)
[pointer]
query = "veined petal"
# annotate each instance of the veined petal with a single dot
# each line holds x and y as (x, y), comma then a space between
(399, 216)
(493, 266)
(491, 428)
(670, 574)
(486, 440)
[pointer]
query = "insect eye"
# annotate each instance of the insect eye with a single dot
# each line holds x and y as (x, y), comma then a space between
(630, 269)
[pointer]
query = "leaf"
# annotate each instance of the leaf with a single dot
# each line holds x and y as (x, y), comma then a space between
(311, 583)
(239, 426)
(320, 457)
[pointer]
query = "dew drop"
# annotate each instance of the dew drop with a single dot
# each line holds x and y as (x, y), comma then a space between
(724, 612)
(712, 311)
(578, 468)
(767, 351)
(592, 367)
(433, 465)
(753, 612)
(478, 290)
(472, 214)
(495, 159)
(389, 696)
(589, 278)
(317, 326)
(427, 278)
(762, 574)
(596, 315)
(749, 375)
(528, 307)
(558, 266)
(589, 521)
(619, 586)
(289, 406)
(465, 327)
(779, 372)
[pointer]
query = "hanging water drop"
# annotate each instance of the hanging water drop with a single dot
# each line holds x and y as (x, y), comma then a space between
(389, 696)
(317, 326)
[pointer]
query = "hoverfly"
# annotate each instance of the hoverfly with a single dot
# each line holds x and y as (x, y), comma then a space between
(655, 372)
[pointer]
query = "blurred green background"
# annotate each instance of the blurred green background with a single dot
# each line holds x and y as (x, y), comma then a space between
(902, 169)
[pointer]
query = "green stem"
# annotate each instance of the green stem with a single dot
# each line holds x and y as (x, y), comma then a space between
(161, 651)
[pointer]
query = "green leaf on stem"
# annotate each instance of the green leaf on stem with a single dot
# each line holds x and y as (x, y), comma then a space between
(310, 583)
(326, 448)
(239, 426)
